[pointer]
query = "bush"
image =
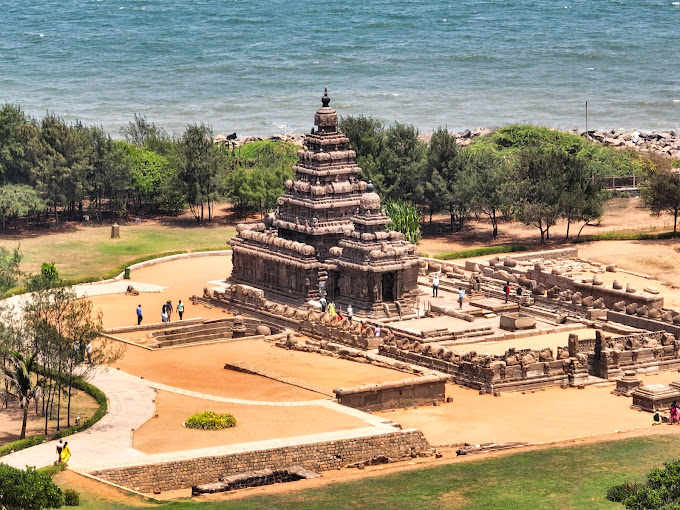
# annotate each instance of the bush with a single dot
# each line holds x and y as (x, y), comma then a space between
(478, 252)
(623, 236)
(210, 420)
(28, 490)
(71, 498)
(21, 444)
(620, 492)
(52, 469)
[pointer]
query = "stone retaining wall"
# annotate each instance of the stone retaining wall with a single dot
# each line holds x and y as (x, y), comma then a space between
(181, 474)
(636, 321)
(426, 390)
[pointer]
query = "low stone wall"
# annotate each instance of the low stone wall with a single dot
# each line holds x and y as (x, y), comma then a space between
(636, 321)
(608, 295)
(181, 474)
(418, 391)
(516, 370)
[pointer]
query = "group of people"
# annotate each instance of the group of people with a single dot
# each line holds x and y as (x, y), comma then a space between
(674, 415)
(63, 452)
(435, 291)
(166, 311)
(333, 312)
(506, 290)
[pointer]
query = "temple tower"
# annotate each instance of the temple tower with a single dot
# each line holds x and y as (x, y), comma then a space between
(317, 207)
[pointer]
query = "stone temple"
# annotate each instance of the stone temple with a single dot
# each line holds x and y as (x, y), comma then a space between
(328, 234)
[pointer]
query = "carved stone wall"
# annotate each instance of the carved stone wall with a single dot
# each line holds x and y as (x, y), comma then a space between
(417, 391)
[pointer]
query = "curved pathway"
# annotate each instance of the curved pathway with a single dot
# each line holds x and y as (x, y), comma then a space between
(131, 404)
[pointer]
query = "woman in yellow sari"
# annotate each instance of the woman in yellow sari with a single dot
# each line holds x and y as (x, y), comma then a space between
(65, 453)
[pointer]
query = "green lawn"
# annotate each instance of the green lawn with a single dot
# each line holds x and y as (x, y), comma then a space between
(90, 251)
(557, 478)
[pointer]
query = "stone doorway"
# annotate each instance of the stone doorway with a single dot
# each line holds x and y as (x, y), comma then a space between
(388, 286)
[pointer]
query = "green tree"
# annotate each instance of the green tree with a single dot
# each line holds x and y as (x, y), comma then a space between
(661, 490)
(483, 174)
(199, 159)
(140, 132)
(440, 169)
(401, 164)
(367, 137)
(19, 375)
(63, 164)
(539, 180)
(18, 142)
(662, 194)
(403, 218)
(9, 268)
(28, 490)
(18, 200)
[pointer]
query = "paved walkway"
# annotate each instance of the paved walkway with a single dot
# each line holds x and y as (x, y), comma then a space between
(131, 404)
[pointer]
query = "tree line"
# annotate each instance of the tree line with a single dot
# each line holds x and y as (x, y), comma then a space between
(50, 169)
(530, 174)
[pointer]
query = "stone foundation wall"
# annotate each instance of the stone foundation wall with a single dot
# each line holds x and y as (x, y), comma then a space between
(426, 390)
(609, 296)
(636, 321)
(516, 370)
(324, 456)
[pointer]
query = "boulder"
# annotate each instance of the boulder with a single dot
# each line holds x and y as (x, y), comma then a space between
(263, 330)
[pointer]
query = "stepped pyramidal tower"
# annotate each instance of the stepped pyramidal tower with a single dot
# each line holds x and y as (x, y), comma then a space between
(328, 234)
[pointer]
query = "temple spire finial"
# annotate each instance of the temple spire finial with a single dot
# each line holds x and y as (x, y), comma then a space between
(325, 100)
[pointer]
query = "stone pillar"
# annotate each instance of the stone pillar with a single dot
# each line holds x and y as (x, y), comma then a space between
(115, 230)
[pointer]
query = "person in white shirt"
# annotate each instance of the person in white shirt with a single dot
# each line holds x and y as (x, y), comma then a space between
(461, 293)
(350, 313)
(435, 285)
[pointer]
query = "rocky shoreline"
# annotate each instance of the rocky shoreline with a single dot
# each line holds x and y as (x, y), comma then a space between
(666, 143)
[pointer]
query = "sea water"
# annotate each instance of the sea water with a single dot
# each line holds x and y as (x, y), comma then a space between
(260, 66)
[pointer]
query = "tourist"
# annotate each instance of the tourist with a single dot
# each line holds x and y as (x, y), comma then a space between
(519, 291)
(323, 304)
(139, 314)
(461, 293)
(88, 351)
(377, 331)
(164, 313)
(331, 309)
(350, 313)
(65, 454)
(168, 309)
(674, 413)
(338, 316)
(435, 285)
(60, 447)
(506, 289)
(180, 309)
(361, 323)
(656, 419)
(636, 137)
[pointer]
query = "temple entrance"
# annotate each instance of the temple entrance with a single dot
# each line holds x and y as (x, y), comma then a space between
(388, 282)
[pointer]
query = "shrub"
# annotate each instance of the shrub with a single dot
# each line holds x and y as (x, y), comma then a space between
(618, 493)
(71, 498)
(210, 420)
(28, 490)
(478, 252)
(49, 271)
(21, 444)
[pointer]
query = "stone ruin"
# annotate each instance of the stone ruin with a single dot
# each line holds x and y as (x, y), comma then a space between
(328, 235)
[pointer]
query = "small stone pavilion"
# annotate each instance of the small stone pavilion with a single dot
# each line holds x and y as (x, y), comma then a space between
(328, 234)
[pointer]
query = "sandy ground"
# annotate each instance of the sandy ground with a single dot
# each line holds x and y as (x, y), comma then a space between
(254, 423)
(542, 417)
(620, 214)
(201, 368)
(182, 279)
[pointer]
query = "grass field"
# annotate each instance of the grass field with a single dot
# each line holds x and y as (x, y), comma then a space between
(557, 478)
(90, 251)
